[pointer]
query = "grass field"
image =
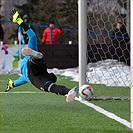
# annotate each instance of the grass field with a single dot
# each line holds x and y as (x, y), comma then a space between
(49, 113)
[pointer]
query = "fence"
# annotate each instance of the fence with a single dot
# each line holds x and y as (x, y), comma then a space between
(66, 56)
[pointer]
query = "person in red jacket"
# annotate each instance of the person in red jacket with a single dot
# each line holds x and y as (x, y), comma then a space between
(50, 34)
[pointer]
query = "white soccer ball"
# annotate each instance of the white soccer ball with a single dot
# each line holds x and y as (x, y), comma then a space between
(86, 91)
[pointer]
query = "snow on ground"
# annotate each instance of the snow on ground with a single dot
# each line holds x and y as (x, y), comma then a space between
(108, 72)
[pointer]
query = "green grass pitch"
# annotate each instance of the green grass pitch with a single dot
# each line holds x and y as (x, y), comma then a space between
(49, 113)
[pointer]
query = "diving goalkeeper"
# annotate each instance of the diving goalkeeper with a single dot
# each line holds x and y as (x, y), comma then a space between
(33, 67)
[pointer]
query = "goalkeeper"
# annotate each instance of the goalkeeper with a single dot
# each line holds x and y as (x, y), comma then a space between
(33, 67)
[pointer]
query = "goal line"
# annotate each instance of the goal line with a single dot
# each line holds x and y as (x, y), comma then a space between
(105, 112)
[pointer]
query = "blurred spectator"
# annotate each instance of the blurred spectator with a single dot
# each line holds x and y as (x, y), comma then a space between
(120, 34)
(1, 33)
(25, 36)
(50, 34)
(5, 48)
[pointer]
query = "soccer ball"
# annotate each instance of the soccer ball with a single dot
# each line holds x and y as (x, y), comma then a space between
(85, 91)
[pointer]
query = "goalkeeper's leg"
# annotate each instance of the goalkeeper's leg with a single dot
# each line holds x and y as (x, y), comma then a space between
(61, 90)
(11, 84)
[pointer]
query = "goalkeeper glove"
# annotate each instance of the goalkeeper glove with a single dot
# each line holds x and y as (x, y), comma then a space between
(15, 17)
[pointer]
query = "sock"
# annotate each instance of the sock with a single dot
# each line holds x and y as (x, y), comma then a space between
(57, 89)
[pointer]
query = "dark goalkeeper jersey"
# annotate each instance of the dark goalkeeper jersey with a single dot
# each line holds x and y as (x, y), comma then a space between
(38, 75)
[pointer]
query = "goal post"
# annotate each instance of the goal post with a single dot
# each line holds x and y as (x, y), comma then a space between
(82, 35)
(131, 65)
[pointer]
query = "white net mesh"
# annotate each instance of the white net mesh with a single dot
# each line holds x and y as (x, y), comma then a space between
(108, 42)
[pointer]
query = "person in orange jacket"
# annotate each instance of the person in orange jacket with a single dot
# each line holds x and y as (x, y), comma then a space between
(50, 34)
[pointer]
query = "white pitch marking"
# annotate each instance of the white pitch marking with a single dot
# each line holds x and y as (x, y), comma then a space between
(103, 111)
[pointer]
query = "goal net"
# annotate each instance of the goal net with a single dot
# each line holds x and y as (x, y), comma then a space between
(108, 45)
(107, 54)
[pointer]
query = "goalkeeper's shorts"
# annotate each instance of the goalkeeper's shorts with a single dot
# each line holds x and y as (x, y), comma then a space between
(37, 72)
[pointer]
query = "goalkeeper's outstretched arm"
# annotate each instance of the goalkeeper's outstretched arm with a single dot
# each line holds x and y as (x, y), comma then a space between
(15, 17)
